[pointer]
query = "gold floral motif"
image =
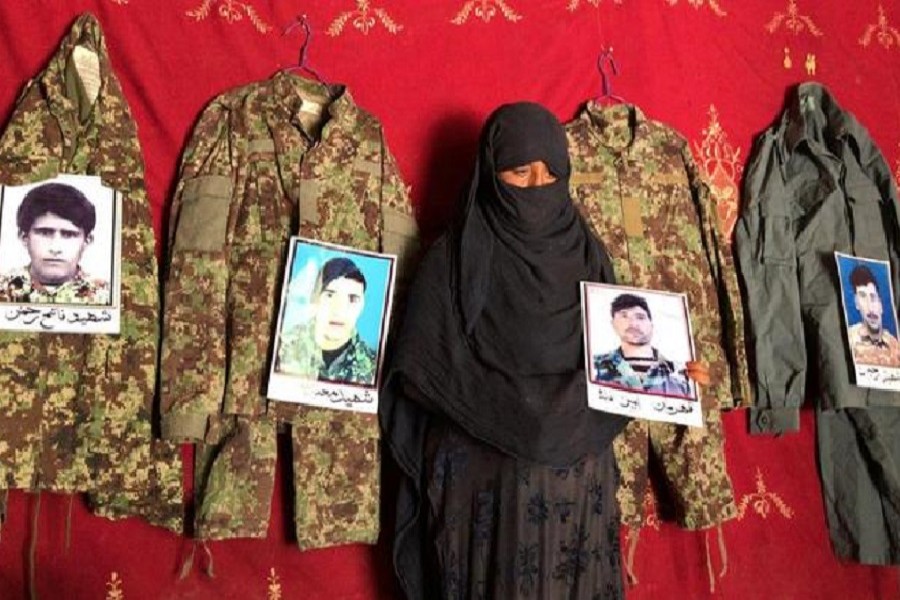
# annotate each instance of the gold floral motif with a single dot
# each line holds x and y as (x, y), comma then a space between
(793, 21)
(273, 592)
(721, 165)
(651, 518)
(762, 501)
(114, 588)
(232, 11)
(364, 19)
(485, 10)
(886, 35)
(573, 4)
(811, 65)
(713, 5)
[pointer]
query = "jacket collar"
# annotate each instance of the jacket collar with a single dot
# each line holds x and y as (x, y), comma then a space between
(334, 100)
(814, 117)
(616, 127)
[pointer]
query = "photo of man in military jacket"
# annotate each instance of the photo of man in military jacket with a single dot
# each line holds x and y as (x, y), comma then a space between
(328, 347)
(870, 342)
(636, 364)
(55, 224)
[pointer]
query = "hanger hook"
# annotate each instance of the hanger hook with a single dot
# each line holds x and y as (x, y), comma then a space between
(606, 56)
(303, 21)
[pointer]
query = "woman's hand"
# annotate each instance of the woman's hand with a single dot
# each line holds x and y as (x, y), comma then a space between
(698, 372)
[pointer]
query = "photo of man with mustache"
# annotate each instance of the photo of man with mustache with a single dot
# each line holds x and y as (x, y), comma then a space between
(870, 342)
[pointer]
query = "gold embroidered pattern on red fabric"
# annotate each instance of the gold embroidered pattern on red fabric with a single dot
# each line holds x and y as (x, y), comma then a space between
(363, 19)
(573, 4)
(232, 11)
(713, 5)
(485, 10)
(651, 514)
(721, 166)
(114, 588)
(793, 21)
(762, 501)
(273, 591)
(886, 34)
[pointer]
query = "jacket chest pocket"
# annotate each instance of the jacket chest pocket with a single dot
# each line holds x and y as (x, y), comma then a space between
(778, 243)
(265, 213)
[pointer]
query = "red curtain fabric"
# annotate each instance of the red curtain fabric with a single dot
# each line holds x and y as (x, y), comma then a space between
(716, 70)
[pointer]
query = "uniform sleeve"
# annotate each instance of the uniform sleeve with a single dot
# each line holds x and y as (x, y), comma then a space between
(710, 310)
(399, 232)
(193, 363)
(768, 268)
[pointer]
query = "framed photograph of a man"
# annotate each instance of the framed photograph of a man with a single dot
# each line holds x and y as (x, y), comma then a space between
(60, 243)
(637, 345)
(334, 315)
(870, 317)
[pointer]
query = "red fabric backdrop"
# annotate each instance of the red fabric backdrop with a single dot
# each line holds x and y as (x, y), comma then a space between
(716, 70)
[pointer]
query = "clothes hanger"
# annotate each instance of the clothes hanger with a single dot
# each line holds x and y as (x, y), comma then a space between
(301, 65)
(603, 60)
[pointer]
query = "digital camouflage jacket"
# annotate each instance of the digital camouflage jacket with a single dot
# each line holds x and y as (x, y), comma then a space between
(300, 355)
(664, 376)
(18, 287)
(270, 160)
(75, 410)
(638, 186)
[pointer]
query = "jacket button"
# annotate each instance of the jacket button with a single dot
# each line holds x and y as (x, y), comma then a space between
(764, 420)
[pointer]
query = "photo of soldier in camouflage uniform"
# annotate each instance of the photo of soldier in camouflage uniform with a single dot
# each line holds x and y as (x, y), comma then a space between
(328, 347)
(55, 224)
(870, 325)
(635, 363)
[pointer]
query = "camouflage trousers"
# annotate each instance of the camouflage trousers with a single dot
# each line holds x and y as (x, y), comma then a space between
(691, 465)
(335, 478)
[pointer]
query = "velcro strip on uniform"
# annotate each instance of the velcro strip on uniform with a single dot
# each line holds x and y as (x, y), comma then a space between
(631, 217)
(397, 221)
(399, 244)
(261, 146)
(368, 166)
(586, 178)
(308, 201)
(203, 220)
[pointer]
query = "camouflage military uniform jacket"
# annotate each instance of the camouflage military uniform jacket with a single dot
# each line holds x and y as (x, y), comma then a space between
(264, 159)
(75, 410)
(662, 377)
(18, 287)
(299, 355)
(638, 187)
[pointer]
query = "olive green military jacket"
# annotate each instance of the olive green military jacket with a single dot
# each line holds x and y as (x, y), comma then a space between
(816, 184)
(75, 410)
(269, 160)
